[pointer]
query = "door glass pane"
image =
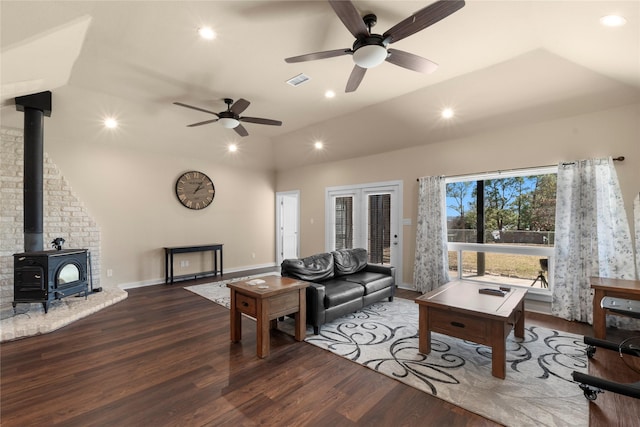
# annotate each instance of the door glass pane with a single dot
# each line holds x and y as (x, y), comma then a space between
(379, 233)
(344, 222)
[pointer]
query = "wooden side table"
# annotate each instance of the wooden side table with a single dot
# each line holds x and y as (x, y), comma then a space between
(276, 297)
(617, 288)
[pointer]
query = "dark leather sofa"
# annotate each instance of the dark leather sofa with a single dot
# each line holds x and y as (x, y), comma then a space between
(341, 282)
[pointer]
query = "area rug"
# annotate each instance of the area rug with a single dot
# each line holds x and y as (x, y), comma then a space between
(537, 391)
(218, 291)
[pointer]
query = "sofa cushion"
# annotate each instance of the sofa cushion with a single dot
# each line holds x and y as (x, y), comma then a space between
(314, 268)
(340, 291)
(371, 281)
(349, 261)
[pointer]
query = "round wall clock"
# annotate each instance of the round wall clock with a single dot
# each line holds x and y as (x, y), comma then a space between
(195, 190)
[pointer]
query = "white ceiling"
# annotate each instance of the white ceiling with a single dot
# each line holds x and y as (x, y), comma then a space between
(501, 63)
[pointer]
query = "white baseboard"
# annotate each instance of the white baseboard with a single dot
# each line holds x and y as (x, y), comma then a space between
(160, 281)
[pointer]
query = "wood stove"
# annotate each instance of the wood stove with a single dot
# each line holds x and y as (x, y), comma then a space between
(45, 276)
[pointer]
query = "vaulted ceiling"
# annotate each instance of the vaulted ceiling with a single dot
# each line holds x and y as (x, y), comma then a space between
(501, 63)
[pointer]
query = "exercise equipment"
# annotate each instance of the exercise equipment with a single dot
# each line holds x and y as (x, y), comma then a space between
(630, 347)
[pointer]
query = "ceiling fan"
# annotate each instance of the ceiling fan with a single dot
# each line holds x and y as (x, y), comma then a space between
(231, 119)
(370, 50)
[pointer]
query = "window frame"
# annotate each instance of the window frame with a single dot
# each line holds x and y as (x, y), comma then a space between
(542, 251)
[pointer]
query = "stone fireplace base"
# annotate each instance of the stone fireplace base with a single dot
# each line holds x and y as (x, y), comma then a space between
(30, 319)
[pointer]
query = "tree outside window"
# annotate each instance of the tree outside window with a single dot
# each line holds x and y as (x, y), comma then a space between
(512, 210)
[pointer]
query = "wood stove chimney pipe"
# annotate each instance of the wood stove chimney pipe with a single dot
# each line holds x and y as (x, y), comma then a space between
(35, 108)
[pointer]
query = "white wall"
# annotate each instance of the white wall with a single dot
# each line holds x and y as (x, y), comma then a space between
(614, 132)
(130, 193)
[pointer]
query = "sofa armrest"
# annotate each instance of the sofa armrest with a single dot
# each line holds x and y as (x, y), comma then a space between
(383, 269)
(315, 304)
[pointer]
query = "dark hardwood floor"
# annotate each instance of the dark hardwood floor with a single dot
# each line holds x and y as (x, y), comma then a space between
(163, 357)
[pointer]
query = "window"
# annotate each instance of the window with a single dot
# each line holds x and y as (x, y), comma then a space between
(379, 237)
(501, 226)
(344, 222)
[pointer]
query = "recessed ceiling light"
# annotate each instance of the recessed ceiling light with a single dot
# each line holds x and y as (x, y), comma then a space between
(329, 94)
(613, 21)
(447, 113)
(318, 145)
(207, 33)
(110, 123)
(233, 148)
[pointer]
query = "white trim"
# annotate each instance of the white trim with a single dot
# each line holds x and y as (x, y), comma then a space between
(501, 248)
(160, 281)
(542, 170)
(364, 186)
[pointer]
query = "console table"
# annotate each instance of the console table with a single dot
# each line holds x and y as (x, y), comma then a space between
(169, 252)
(617, 288)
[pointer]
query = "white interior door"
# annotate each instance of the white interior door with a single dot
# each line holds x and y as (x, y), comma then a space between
(288, 224)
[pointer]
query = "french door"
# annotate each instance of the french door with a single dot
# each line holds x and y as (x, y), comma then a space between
(367, 216)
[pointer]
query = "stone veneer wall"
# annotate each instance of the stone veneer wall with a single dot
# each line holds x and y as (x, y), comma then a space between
(64, 214)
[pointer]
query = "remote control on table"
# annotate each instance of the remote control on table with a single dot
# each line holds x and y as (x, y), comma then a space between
(490, 291)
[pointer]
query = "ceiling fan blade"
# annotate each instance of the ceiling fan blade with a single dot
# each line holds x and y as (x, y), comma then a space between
(240, 130)
(357, 74)
(319, 55)
(422, 19)
(411, 61)
(202, 123)
(350, 17)
(196, 108)
(261, 121)
(239, 106)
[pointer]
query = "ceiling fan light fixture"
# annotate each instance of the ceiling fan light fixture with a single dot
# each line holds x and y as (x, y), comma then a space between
(228, 122)
(370, 56)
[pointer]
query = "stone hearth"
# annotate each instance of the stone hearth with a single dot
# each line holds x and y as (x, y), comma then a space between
(30, 319)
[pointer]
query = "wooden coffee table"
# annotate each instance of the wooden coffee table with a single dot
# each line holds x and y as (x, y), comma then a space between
(459, 310)
(266, 302)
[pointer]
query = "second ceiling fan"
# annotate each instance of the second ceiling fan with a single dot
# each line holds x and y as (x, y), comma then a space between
(370, 50)
(231, 118)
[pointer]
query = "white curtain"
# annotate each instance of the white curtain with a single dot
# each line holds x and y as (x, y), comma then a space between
(592, 236)
(431, 267)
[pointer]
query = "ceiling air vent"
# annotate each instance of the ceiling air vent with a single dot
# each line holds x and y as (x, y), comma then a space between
(298, 80)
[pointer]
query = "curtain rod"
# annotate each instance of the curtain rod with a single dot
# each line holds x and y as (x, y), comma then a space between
(615, 159)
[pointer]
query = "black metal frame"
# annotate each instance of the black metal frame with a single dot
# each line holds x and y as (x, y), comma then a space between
(591, 385)
(36, 273)
(170, 251)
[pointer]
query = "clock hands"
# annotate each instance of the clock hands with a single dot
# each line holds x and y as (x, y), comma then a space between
(195, 190)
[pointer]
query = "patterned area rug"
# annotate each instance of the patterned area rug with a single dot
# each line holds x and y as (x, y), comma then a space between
(218, 291)
(538, 389)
